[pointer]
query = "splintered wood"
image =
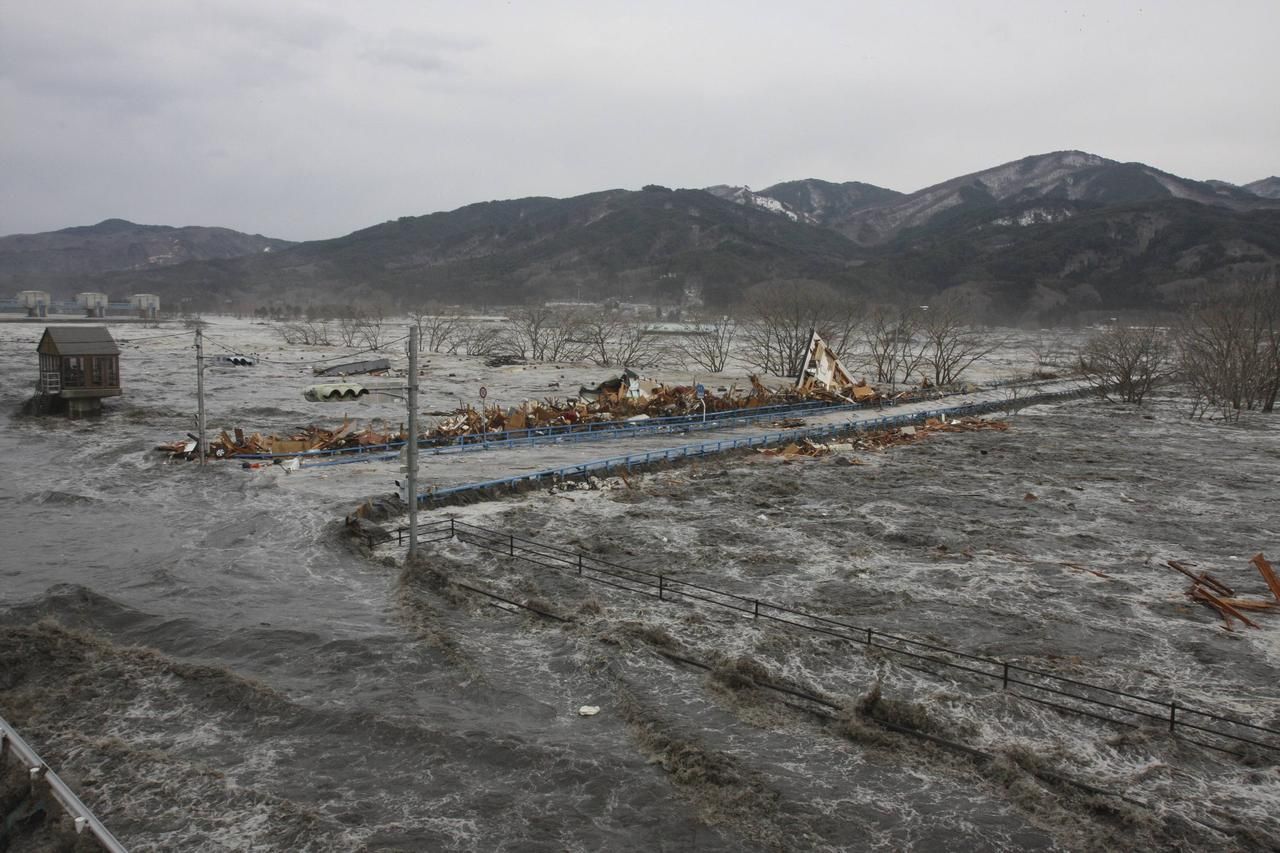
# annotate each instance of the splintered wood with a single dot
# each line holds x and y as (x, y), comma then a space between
(1213, 593)
(884, 438)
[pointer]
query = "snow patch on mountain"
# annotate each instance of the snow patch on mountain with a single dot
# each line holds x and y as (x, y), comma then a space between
(1034, 216)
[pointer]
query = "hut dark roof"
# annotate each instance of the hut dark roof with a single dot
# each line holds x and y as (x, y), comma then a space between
(78, 340)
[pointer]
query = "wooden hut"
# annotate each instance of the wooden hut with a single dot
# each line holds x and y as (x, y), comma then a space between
(79, 365)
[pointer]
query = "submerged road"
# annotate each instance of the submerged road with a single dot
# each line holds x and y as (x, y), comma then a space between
(481, 464)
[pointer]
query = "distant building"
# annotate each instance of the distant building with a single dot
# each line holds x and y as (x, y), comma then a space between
(79, 365)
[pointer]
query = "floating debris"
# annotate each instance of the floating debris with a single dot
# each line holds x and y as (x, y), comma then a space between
(310, 439)
(628, 398)
(353, 368)
(1212, 592)
(881, 439)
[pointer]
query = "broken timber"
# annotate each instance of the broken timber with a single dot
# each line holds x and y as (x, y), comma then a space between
(1212, 592)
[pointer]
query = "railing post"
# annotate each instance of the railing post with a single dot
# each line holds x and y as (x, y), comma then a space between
(579, 562)
(1004, 679)
(453, 533)
(1173, 715)
(513, 544)
(757, 613)
(399, 535)
(661, 585)
(868, 636)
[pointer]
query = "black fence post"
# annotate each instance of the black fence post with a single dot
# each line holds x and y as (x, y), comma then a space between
(757, 613)
(868, 636)
(1005, 678)
(399, 535)
(453, 533)
(513, 544)
(1173, 715)
(579, 563)
(661, 584)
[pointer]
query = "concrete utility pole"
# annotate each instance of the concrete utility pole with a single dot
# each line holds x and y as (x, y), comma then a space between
(411, 456)
(200, 442)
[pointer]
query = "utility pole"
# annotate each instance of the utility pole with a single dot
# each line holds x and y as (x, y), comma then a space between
(412, 446)
(200, 443)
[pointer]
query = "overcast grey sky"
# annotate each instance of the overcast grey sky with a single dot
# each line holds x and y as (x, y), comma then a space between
(304, 119)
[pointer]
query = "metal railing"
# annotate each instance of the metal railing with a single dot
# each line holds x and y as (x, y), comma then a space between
(591, 431)
(1205, 728)
(40, 773)
(629, 462)
(596, 430)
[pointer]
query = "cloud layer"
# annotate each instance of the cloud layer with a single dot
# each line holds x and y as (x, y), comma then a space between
(307, 119)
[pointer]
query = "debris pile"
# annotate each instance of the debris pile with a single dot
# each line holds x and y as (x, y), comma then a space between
(623, 399)
(309, 439)
(881, 439)
(375, 366)
(1213, 593)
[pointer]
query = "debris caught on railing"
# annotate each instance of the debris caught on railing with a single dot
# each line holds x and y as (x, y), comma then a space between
(881, 439)
(310, 439)
(1212, 592)
(628, 398)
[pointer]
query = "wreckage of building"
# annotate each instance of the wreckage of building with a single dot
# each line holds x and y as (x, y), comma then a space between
(626, 398)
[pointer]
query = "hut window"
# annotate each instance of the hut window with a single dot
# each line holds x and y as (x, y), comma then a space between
(73, 371)
(96, 367)
(112, 379)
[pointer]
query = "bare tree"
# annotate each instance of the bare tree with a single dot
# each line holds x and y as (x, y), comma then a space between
(951, 342)
(710, 344)
(1230, 352)
(544, 333)
(369, 329)
(1050, 353)
(475, 337)
(349, 329)
(780, 317)
(611, 340)
(1125, 362)
(438, 326)
(891, 336)
(306, 332)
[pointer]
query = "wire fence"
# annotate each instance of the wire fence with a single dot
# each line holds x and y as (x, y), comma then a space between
(1206, 728)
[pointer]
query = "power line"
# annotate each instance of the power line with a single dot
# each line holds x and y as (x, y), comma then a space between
(155, 337)
(234, 351)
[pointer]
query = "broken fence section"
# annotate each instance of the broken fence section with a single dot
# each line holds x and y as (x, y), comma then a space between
(1106, 704)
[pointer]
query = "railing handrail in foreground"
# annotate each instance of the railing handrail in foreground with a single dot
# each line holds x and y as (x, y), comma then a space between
(1054, 687)
(38, 771)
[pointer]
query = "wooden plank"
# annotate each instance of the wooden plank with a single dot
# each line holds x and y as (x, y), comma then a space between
(1250, 604)
(1218, 586)
(1181, 567)
(1268, 574)
(1204, 595)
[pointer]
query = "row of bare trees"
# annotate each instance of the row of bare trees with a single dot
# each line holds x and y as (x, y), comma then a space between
(1225, 351)
(770, 334)
(892, 342)
(358, 329)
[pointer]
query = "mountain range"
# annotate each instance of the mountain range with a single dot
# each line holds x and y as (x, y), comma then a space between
(1039, 238)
